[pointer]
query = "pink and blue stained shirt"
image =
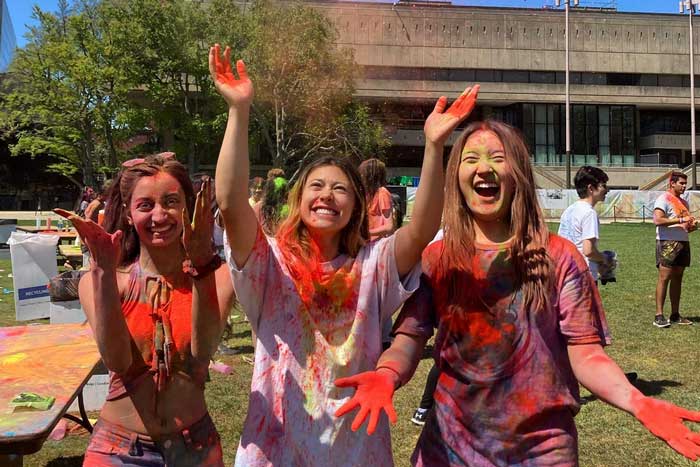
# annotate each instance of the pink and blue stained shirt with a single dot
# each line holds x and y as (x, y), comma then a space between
(301, 350)
(506, 395)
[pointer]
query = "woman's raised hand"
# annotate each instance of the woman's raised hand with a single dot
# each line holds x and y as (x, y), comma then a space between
(197, 236)
(237, 93)
(105, 248)
(440, 123)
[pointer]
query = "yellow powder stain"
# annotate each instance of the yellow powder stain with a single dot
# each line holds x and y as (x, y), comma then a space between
(13, 358)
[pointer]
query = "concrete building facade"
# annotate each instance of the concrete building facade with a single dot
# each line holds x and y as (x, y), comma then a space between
(630, 90)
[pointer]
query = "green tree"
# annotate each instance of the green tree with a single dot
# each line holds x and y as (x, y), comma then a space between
(304, 87)
(62, 97)
(95, 75)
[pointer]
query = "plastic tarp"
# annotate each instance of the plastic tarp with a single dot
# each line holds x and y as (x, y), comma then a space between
(33, 265)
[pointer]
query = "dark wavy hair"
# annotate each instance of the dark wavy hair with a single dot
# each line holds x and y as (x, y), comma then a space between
(119, 199)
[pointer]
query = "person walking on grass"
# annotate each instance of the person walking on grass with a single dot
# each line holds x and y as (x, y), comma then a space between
(673, 223)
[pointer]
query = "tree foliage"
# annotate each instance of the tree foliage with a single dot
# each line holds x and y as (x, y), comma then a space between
(98, 75)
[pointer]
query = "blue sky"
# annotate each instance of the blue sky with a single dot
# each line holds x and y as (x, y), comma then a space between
(21, 10)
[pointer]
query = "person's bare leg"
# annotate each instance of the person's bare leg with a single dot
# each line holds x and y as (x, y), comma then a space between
(675, 289)
(661, 287)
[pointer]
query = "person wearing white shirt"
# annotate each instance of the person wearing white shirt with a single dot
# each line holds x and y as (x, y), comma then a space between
(579, 222)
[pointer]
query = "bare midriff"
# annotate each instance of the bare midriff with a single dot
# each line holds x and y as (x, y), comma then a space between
(180, 404)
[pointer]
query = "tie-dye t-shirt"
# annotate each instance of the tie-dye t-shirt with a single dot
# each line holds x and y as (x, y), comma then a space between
(302, 350)
(674, 208)
(506, 395)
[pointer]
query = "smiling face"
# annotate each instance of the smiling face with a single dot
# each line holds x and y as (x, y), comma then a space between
(155, 209)
(485, 177)
(327, 201)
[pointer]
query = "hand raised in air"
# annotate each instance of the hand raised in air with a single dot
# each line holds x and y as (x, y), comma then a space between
(238, 93)
(440, 123)
(105, 248)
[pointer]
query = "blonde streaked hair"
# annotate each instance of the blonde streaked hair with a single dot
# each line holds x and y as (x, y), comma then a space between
(526, 222)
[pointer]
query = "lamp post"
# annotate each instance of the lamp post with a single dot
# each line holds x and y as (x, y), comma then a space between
(690, 5)
(566, 92)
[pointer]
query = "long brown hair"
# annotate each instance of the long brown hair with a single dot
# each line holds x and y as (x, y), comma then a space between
(293, 236)
(119, 199)
(528, 229)
(373, 173)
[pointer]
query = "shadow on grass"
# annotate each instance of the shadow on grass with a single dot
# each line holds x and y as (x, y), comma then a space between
(694, 319)
(241, 349)
(240, 334)
(648, 388)
(73, 461)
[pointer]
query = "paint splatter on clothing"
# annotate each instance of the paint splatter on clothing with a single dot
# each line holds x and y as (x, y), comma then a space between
(506, 395)
(376, 209)
(159, 318)
(112, 445)
(673, 207)
(301, 350)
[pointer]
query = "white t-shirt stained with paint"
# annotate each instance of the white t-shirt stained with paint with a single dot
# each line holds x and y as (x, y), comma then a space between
(674, 208)
(580, 222)
(300, 352)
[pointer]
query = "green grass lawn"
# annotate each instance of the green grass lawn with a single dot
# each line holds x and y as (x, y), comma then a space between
(665, 359)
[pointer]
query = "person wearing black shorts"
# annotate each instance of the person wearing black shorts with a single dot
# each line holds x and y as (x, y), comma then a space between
(673, 223)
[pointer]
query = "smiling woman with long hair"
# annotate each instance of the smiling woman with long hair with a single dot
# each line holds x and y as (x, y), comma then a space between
(316, 292)
(157, 301)
(519, 325)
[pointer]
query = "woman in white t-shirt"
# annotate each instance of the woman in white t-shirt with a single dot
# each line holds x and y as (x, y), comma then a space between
(315, 294)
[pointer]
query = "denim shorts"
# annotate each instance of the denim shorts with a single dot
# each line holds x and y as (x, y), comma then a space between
(112, 445)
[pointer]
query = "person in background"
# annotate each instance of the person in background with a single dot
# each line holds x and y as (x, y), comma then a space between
(379, 202)
(673, 223)
(580, 225)
(579, 222)
(256, 190)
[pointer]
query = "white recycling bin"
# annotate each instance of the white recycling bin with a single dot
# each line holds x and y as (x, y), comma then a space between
(33, 265)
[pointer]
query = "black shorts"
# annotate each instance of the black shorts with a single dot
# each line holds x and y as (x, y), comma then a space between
(672, 253)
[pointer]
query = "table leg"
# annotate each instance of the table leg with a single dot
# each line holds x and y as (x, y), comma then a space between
(11, 460)
(84, 421)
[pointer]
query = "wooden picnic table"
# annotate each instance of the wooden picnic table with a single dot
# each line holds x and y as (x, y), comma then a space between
(51, 360)
(72, 253)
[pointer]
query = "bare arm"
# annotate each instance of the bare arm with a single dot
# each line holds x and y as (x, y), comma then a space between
(383, 225)
(590, 251)
(99, 293)
(212, 293)
(427, 210)
(600, 374)
(214, 296)
(233, 165)
(660, 219)
(402, 357)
